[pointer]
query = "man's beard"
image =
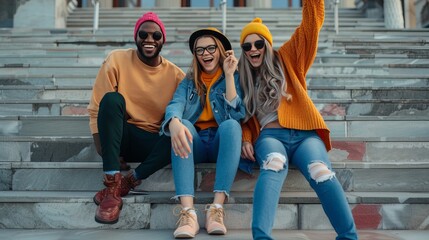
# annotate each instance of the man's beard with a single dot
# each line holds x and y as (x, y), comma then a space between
(155, 55)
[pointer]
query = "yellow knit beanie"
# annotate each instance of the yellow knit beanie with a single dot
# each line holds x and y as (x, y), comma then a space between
(256, 26)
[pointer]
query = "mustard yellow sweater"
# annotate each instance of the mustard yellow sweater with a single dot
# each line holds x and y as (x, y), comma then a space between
(147, 90)
(297, 55)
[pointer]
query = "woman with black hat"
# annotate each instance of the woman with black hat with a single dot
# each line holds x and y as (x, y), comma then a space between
(203, 122)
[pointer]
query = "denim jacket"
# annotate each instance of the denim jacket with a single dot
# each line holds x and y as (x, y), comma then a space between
(186, 104)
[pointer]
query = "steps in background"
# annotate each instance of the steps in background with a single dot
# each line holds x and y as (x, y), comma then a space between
(371, 84)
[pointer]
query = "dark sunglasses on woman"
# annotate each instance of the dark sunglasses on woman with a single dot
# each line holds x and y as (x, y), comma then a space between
(247, 46)
(157, 35)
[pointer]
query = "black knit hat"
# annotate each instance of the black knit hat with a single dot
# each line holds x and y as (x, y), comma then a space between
(211, 32)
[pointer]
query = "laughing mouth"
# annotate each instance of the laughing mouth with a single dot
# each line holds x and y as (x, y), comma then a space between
(208, 60)
(255, 56)
(148, 47)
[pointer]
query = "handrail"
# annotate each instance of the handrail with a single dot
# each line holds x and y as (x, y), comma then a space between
(96, 5)
(223, 6)
(336, 2)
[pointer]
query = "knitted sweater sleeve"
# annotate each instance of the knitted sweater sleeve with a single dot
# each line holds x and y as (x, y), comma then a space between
(301, 49)
(105, 82)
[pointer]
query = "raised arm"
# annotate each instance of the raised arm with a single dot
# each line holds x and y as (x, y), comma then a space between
(301, 49)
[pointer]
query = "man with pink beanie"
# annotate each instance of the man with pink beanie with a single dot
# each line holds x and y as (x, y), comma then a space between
(130, 94)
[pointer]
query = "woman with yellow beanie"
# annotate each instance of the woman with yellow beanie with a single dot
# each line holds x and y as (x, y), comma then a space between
(282, 125)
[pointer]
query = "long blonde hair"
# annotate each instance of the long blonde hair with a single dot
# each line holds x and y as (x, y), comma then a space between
(264, 87)
(194, 72)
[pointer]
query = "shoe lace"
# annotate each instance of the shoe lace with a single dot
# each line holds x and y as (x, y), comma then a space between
(217, 214)
(129, 182)
(185, 216)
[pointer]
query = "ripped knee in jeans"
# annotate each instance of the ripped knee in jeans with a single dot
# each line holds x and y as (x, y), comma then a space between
(275, 162)
(319, 172)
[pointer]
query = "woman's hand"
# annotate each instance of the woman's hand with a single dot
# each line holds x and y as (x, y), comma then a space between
(229, 67)
(230, 63)
(247, 151)
(180, 138)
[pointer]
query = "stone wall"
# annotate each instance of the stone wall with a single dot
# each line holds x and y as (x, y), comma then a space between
(7, 10)
(42, 14)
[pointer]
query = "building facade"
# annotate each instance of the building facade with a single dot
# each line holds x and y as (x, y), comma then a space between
(45, 14)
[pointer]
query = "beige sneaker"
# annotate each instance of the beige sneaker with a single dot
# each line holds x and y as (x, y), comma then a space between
(187, 224)
(214, 220)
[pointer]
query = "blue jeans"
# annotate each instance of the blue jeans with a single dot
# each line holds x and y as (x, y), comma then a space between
(302, 149)
(220, 145)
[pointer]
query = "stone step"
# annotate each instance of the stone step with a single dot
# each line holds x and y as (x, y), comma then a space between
(381, 175)
(154, 211)
(182, 35)
(87, 176)
(217, 22)
(79, 57)
(378, 42)
(200, 13)
(165, 11)
(95, 49)
(100, 234)
(81, 149)
(32, 92)
(340, 126)
(89, 68)
(328, 107)
(322, 80)
(233, 234)
(59, 64)
(86, 36)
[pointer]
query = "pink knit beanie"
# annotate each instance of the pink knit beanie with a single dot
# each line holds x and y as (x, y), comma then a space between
(149, 16)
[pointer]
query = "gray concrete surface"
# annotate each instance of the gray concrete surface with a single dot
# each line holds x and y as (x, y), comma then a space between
(10, 234)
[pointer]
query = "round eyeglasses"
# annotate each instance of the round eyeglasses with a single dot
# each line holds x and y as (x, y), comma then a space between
(200, 50)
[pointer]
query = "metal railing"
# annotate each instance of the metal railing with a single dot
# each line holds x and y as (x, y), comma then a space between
(96, 5)
(336, 17)
(222, 4)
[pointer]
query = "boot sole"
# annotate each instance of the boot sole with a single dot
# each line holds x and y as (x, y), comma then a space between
(106, 222)
(109, 222)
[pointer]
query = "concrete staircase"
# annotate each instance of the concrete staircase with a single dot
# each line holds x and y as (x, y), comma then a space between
(371, 85)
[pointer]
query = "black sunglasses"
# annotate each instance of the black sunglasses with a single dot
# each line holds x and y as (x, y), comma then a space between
(157, 35)
(247, 46)
(200, 50)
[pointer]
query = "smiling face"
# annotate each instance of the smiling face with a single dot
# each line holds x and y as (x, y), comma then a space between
(209, 59)
(254, 55)
(148, 43)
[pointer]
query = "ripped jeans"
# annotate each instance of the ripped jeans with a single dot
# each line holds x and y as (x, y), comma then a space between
(275, 149)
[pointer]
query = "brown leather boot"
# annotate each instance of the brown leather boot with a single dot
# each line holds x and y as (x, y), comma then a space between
(110, 207)
(127, 183)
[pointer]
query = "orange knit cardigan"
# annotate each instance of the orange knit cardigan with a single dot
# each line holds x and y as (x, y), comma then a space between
(297, 56)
